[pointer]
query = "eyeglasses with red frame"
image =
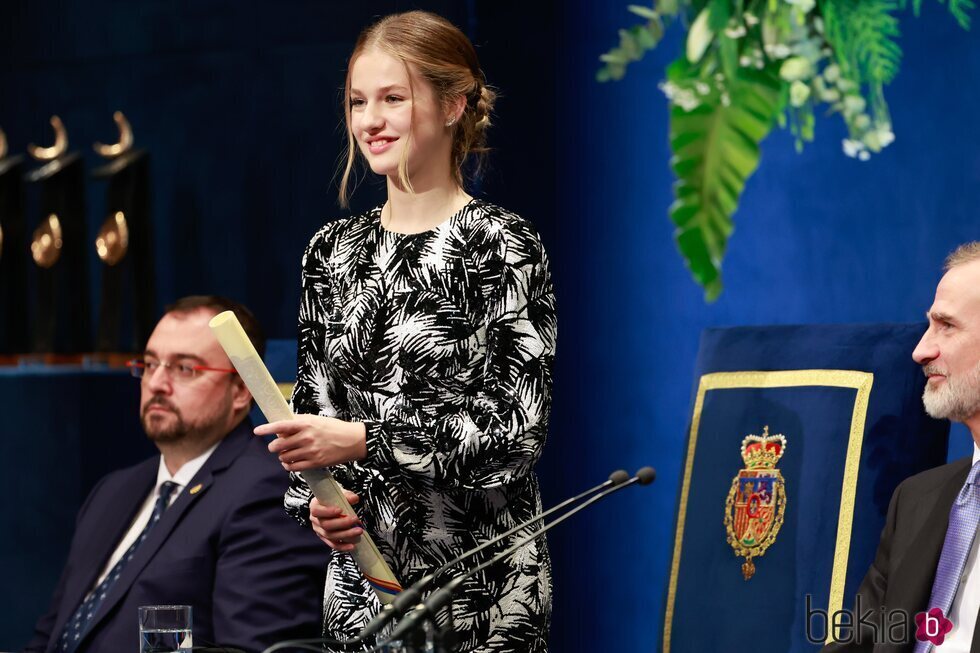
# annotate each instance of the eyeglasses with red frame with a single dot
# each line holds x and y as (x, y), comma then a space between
(179, 371)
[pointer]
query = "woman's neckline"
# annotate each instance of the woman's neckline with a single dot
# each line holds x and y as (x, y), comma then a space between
(378, 210)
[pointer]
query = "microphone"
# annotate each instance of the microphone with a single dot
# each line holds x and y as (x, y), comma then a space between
(441, 597)
(410, 596)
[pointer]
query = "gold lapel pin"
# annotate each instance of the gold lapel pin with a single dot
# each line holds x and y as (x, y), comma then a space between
(196, 488)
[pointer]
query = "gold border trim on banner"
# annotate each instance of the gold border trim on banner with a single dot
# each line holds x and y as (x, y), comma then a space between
(859, 381)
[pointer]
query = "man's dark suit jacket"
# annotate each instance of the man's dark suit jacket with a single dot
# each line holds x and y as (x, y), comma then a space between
(905, 565)
(252, 574)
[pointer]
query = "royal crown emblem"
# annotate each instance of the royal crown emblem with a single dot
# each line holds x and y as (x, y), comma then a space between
(757, 499)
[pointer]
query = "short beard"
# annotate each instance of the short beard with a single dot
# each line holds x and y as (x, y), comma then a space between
(179, 429)
(957, 400)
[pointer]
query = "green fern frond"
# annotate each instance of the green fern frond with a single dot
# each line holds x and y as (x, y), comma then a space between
(862, 34)
(635, 41)
(916, 6)
(716, 149)
(960, 9)
(731, 106)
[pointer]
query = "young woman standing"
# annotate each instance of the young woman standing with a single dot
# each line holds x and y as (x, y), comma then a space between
(426, 343)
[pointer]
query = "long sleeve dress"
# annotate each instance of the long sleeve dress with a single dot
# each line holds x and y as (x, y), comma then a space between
(442, 343)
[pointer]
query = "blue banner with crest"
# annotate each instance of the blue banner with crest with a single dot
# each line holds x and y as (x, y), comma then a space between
(798, 436)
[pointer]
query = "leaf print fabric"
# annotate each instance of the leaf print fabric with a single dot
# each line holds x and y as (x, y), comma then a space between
(442, 343)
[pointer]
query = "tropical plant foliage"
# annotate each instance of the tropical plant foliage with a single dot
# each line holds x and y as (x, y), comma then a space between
(750, 64)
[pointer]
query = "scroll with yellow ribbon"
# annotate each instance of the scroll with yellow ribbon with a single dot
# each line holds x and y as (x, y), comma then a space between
(256, 376)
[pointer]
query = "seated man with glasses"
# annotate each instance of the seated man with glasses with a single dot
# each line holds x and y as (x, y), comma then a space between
(201, 525)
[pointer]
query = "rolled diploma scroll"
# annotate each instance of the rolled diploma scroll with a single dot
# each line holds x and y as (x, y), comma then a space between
(269, 398)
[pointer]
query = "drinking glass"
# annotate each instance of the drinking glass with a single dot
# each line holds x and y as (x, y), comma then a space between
(165, 629)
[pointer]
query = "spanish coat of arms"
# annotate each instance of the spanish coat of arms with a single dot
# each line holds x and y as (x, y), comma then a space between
(757, 499)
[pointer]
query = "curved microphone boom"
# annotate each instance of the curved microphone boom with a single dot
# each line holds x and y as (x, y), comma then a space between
(441, 597)
(410, 596)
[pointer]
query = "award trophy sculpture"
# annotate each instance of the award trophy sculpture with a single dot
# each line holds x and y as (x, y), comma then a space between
(124, 245)
(62, 322)
(13, 257)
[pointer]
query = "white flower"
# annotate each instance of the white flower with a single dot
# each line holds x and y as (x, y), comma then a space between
(863, 155)
(795, 68)
(831, 73)
(854, 104)
(862, 121)
(682, 97)
(799, 92)
(871, 140)
(669, 89)
(745, 61)
(702, 88)
(778, 50)
(885, 135)
(699, 37)
(750, 19)
(687, 101)
(852, 148)
(735, 30)
(830, 95)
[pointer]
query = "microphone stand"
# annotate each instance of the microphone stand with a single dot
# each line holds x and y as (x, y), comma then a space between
(442, 597)
(411, 595)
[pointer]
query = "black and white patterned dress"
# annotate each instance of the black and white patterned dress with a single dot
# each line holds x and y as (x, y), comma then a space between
(442, 343)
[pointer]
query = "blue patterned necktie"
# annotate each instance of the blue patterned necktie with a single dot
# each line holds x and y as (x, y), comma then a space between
(76, 627)
(964, 517)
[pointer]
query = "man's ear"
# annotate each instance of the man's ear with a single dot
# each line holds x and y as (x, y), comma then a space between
(241, 398)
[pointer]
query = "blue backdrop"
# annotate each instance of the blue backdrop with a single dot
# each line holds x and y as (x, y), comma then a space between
(238, 104)
(819, 238)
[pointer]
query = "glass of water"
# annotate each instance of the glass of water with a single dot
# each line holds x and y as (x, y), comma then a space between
(165, 629)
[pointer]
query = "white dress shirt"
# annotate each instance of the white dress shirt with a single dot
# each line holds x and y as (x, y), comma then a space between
(181, 479)
(966, 603)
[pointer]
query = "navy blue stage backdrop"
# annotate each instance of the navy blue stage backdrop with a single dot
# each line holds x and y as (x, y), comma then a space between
(819, 238)
(238, 103)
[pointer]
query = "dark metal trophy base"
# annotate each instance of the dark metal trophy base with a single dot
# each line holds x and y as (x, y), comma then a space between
(14, 327)
(125, 249)
(62, 314)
